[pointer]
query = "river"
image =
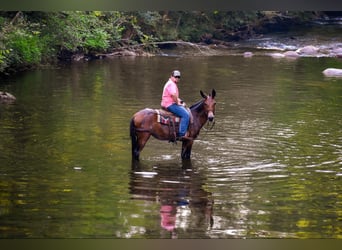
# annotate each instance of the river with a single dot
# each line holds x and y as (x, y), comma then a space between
(271, 167)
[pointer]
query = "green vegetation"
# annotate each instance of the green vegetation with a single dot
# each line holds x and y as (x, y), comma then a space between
(32, 38)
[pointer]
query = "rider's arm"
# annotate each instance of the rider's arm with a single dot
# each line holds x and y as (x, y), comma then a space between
(176, 99)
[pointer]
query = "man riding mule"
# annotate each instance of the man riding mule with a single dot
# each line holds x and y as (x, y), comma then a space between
(172, 102)
(157, 123)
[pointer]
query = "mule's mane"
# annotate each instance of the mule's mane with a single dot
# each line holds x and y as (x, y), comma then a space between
(197, 105)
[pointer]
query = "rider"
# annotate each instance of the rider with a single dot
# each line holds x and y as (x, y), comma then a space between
(172, 102)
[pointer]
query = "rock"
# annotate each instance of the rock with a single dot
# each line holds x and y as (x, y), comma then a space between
(6, 97)
(291, 54)
(337, 52)
(277, 55)
(247, 54)
(332, 72)
(78, 57)
(308, 50)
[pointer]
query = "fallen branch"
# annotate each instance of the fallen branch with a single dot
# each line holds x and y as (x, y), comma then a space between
(179, 42)
(17, 15)
(129, 49)
(160, 43)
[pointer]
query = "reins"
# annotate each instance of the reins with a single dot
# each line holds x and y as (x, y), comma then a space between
(210, 125)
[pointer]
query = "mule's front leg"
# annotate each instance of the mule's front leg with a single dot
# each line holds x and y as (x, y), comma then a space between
(186, 149)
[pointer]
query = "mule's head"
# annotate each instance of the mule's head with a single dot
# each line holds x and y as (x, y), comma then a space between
(209, 104)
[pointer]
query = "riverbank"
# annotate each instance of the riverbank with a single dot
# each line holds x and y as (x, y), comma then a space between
(33, 39)
(320, 37)
(180, 48)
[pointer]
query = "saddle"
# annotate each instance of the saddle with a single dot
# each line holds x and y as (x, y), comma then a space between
(166, 117)
(169, 119)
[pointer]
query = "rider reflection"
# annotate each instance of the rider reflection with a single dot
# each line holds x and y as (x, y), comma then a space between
(185, 206)
(168, 217)
(171, 199)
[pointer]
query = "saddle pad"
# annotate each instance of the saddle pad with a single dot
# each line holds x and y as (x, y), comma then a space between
(165, 117)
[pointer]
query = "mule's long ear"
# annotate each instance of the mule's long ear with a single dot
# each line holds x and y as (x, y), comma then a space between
(202, 94)
(213, 93)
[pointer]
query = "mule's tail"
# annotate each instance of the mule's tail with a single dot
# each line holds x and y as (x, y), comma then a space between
(134, 140)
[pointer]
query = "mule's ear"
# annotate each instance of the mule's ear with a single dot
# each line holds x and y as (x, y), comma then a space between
(213, 93)
(202, 94)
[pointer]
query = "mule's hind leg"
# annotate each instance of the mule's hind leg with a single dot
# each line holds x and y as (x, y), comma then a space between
(135, 152)
(142, 138)
(134, 141)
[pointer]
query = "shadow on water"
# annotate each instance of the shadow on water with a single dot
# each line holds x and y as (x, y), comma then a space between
(185, 207)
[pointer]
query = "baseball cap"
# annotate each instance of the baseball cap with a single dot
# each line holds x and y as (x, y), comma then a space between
(176, 73)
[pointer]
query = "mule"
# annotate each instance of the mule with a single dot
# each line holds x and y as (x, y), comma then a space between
(147, 122)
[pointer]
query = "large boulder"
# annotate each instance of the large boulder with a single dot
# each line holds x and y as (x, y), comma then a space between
(332, 72)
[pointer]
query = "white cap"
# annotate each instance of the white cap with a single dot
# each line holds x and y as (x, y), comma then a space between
(176, 73)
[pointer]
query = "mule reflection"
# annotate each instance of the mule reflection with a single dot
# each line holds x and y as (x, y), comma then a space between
(186, 209)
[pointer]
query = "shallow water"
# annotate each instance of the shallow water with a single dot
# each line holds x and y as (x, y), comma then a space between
(270, 168)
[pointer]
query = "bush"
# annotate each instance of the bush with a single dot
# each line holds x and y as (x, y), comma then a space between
(3, 59)
(20, 43)
(77, 31)
(98, 40)
(24, 48)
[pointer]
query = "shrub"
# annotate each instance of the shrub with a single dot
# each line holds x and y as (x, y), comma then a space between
(24, 48)
(97, 40)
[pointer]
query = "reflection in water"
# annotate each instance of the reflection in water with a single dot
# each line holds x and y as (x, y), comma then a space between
(183, 203)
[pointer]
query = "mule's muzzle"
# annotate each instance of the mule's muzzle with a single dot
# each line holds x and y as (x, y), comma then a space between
(211, 121)
(211, 116)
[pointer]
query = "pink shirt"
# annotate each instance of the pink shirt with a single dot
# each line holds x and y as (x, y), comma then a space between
(170, 88)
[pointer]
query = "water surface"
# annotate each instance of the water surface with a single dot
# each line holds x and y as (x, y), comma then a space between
(270, 168)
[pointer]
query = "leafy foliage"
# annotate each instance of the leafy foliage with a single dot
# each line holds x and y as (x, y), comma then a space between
(30, 38)
(25, 47)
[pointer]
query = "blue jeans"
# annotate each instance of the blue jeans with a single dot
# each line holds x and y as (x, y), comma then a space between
(183, 113)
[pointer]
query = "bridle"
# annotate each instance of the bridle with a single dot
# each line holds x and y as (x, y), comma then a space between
(210, 122)
(209, 125)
